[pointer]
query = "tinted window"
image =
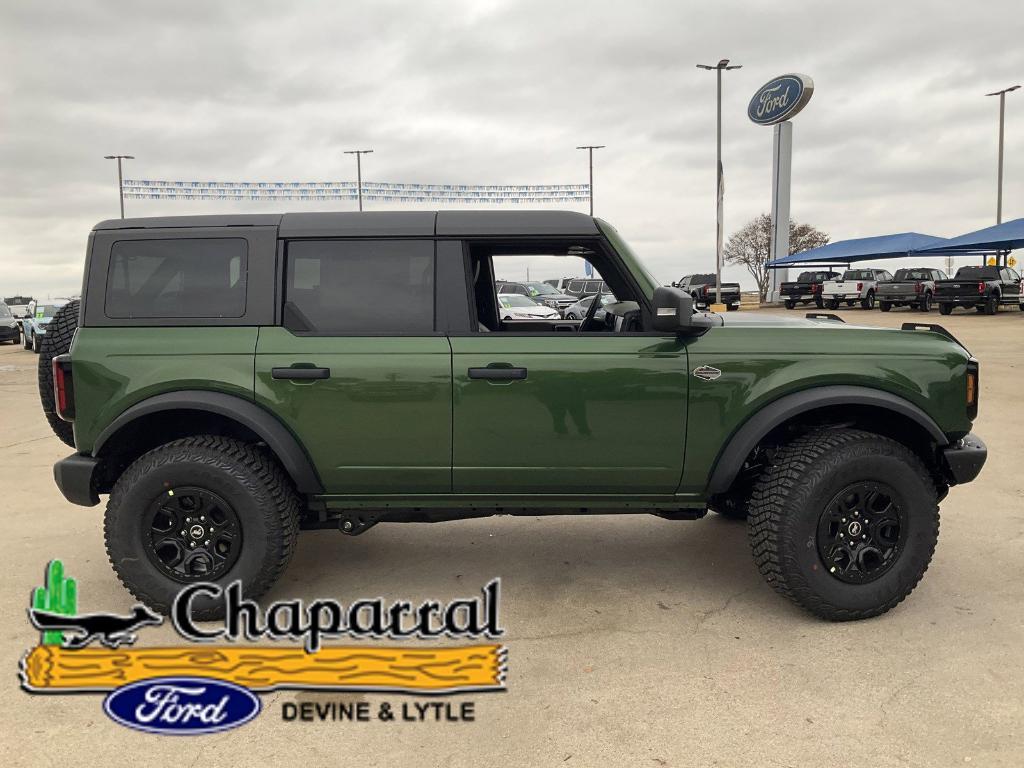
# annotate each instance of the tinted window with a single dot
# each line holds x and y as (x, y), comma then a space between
(575, 286)
(977, 273)
(382, 286)
(858, 274)
(201, 277)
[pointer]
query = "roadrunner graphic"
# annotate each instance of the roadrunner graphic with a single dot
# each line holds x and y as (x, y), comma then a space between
(110, 629)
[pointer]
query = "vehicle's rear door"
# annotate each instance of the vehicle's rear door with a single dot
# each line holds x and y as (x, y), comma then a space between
(357, 369)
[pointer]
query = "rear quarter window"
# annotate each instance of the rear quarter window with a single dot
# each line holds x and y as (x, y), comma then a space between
(177, 278)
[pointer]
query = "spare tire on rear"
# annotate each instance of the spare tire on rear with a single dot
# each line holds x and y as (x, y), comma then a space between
(56, 341)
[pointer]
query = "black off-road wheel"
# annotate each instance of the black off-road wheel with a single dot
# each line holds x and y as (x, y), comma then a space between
(789, 304)
(945, 309)
(844, 523)
(204, 508)
(991, 305)
(56, 341)
(885, 306)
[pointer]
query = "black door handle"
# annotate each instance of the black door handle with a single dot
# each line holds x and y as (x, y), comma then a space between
(498, 373)
(302, 374)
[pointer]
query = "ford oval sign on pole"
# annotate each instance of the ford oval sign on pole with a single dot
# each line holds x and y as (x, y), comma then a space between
(773, 104)
(780, 99)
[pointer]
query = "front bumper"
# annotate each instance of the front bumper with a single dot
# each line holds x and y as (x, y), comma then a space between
(6, 334)
(75, 477)
(964, 459)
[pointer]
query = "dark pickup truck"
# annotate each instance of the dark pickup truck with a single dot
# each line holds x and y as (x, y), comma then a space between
(806, 289)
(702, 289)
(914, 288)
(984, 288)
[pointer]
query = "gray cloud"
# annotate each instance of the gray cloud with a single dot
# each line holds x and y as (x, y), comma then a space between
(898, 136)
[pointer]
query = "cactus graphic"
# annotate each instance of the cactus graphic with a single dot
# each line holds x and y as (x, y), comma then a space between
(59, 595)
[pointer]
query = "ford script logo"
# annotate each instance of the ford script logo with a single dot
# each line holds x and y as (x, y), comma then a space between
(182, 705)
(780, 99)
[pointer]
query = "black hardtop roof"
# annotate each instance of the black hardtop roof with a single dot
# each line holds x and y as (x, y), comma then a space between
(380, 223)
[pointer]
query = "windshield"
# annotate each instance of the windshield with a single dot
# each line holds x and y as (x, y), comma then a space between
(633, 263)
(912, 274)
(516, 300)
(46, 310)
(540, 289)
(975, 273)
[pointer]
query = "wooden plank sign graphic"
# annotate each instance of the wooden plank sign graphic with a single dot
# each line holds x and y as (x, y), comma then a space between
(50, 668)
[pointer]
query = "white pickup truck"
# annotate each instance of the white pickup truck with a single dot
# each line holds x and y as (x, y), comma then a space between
(855, 285)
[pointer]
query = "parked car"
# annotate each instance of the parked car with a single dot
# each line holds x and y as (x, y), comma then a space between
(855, 285)
(702, 290)
(221, 421)
(540, 292)
(10, 330)
(514, 306)
(579, 310)
(913, 287)
(579, 286)
(806, 288)
(33, 327)
(984, 288)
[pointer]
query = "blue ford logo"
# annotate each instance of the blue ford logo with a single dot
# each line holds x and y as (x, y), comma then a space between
(780, 99)
(182, 705)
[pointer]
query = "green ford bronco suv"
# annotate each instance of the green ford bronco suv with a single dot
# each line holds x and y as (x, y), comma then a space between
(231, 380)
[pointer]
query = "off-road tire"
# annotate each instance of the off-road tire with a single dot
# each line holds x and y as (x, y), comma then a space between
(885, 306)
(57, 341)
(794, 490)
(945, 309)
(248, 478)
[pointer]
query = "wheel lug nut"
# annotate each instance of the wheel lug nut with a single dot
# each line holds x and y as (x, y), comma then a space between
(188, 519)
(202, 517)
(182, 533)
(206, 542)
(192, 544)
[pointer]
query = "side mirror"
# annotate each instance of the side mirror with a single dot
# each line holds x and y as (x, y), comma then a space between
(673, 313)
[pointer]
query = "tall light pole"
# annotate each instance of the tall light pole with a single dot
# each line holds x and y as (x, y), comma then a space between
(719, 189)
(120, 178)
(590, 151)
(1002, 116)
(359, 170)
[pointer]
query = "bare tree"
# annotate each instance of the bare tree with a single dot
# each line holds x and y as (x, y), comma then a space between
(751, 246)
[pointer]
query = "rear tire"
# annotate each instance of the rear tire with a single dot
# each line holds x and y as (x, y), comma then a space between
(868, 302)
(819, 493)
(885, 306)
(142, 524)
(945, 309)
(833, 304)
(57, 341)
(925, 305)
(991, 304)
(790, 304)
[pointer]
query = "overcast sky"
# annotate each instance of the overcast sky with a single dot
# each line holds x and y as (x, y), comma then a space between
(898, 136)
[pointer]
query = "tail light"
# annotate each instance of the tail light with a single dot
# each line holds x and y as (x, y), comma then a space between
(63, 388)
(704, 291)
(860, 286)
(972, 388)
(816, 288)
(918, 287)
(981, 288)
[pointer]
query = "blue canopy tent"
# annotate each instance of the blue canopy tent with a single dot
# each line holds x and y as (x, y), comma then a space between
(862, 249)
(998, 240)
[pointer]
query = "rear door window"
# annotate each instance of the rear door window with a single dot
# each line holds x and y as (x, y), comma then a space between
(177, 278)
(356, 288)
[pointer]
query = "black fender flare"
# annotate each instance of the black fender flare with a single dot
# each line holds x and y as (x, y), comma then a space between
(276, 435)
(745, 439)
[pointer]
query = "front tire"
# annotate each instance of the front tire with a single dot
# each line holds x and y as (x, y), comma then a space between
(27, 342)
(159, 539)
(991, 304)
(829, 487)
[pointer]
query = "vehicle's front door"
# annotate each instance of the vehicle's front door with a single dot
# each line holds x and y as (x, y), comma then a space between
(357, 371)
(1011, 286)
(568, 413)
